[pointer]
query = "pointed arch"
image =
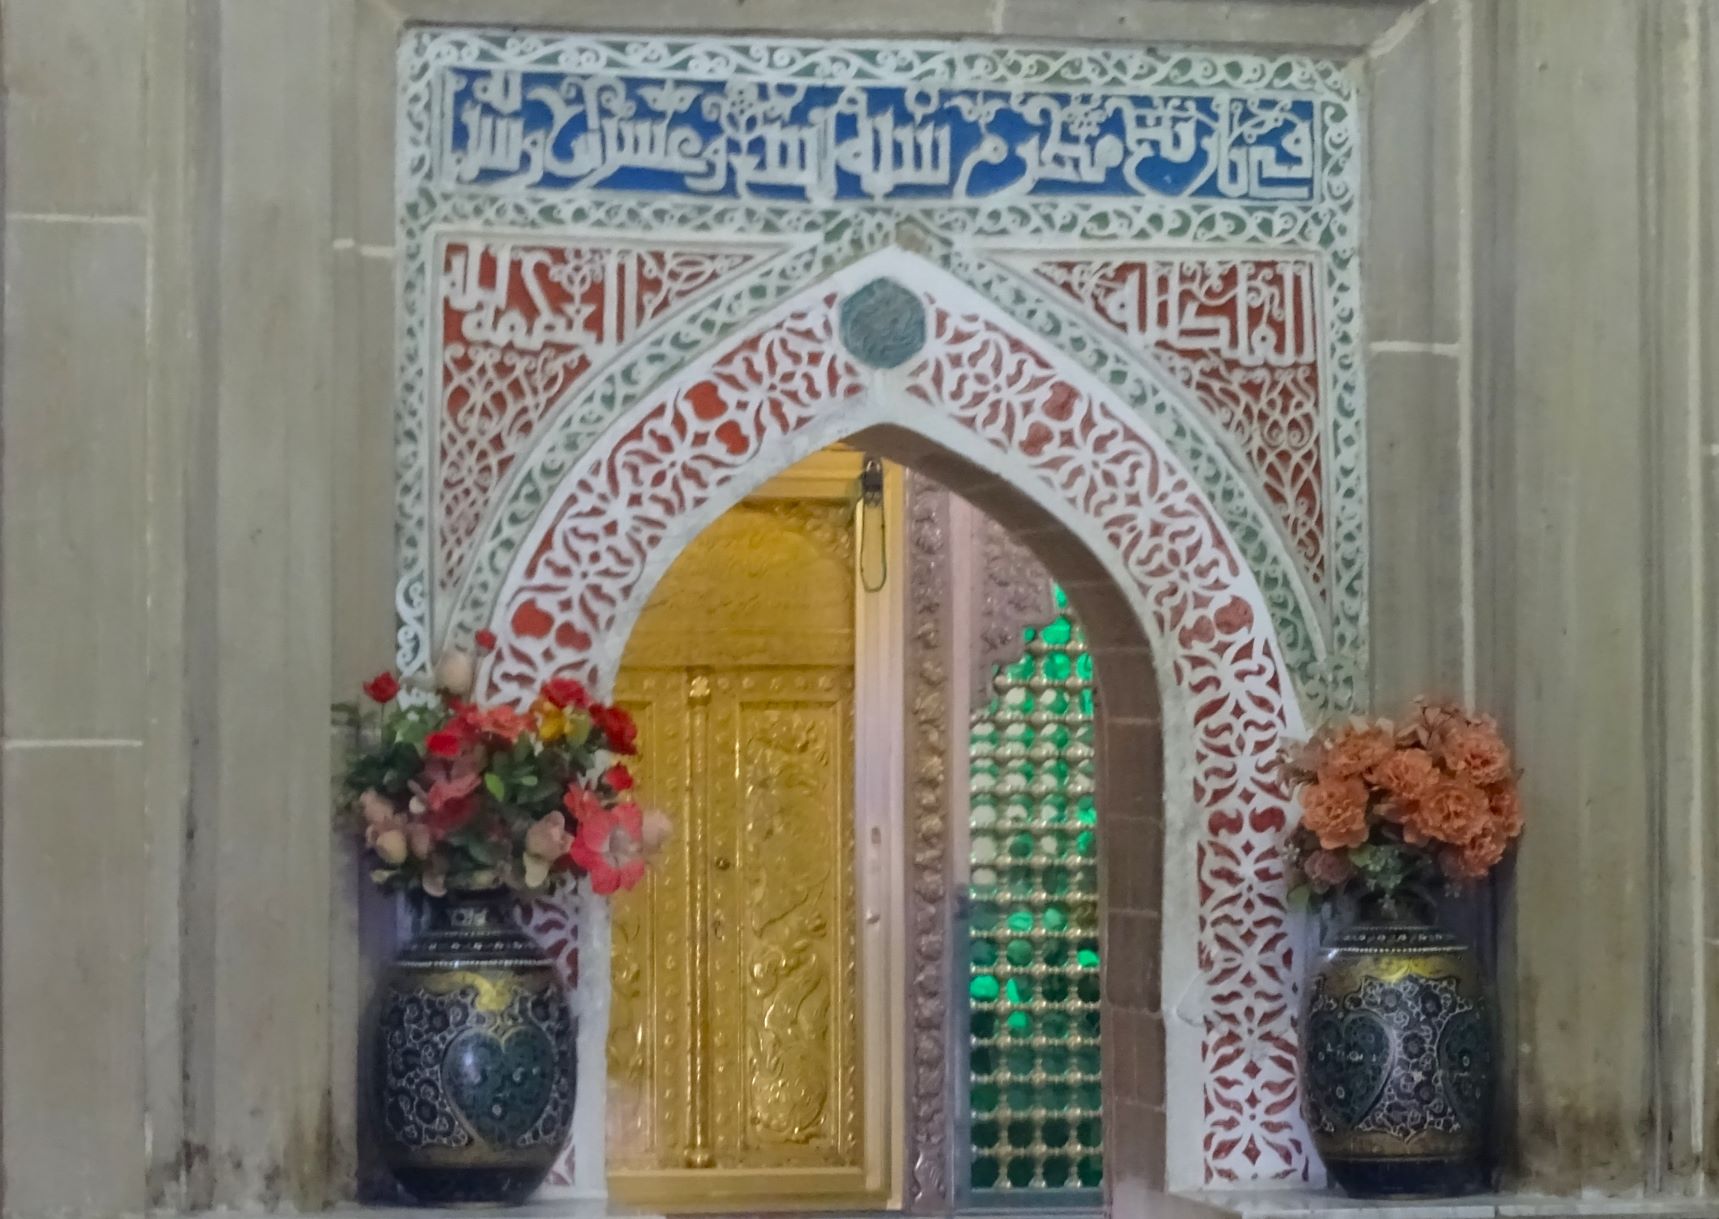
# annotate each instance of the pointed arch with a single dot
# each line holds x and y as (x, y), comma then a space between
(975, 401)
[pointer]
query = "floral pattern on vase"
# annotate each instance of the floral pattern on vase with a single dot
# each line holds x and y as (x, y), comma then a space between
(474, 1058)
(1398, 1059)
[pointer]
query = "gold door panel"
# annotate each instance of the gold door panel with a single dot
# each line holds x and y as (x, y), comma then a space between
(735, 1038)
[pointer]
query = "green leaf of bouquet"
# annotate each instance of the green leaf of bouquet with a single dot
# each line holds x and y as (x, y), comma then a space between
(1300, 898)
(496, 786)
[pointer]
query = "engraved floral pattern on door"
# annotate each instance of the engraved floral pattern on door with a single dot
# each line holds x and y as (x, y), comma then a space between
(795, 890)
(735, 1031)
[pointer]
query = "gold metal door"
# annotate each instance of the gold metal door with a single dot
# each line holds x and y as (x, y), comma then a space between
(735, 1046)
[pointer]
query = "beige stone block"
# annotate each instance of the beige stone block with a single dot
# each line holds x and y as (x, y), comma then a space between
(1311, 25)
(891, 18)
(363, 423)
(72, 481)
(370, 134)
(1414, 204)
(1414, 441)
(71, 980)
(74, 115)
(258, 980)
(1570, 494)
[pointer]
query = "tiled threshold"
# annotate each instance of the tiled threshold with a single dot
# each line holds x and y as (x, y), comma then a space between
(1276, 1204)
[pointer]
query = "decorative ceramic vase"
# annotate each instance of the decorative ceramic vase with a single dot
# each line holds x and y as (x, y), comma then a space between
(474, 1057)
(1398, 1062)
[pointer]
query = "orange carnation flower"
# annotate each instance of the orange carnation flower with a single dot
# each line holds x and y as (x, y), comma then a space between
(1506, 806)
(1408, 775)
(1453, 812)
(1357, 749)
(1335, 810)
(1475, 749)
(1474, 859)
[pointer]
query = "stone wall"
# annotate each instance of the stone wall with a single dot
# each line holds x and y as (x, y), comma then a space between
(195, 549)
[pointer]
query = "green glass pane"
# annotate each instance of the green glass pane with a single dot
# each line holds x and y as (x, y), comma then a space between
(1034, 922)
(1055, 1097)
(1091, 1172)
(1089, 1096)
(1060, 596)
(1090, 1132)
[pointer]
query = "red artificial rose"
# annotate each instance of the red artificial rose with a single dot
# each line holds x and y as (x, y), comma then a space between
(620, 734)
(565, 692)
(618, 779)
(443, 742)
(383, 687)
(486, 640)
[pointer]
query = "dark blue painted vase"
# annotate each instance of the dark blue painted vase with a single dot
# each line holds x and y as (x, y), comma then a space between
(1398, 1062)
(474, 1066)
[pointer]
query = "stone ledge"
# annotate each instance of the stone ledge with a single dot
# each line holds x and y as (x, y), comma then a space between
(1265, 1204)
(1318, 1204)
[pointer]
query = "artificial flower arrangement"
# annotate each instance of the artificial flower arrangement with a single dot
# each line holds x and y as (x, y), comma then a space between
(1392, 814)
(449, 794)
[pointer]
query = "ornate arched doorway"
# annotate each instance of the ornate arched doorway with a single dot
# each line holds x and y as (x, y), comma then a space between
(1176, 426)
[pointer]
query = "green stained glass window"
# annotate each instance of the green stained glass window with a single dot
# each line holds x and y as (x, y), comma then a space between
(1033, 956)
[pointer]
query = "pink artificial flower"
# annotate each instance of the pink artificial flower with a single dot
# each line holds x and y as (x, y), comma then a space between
(451, 802)
(545, 842)
(609, 845)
